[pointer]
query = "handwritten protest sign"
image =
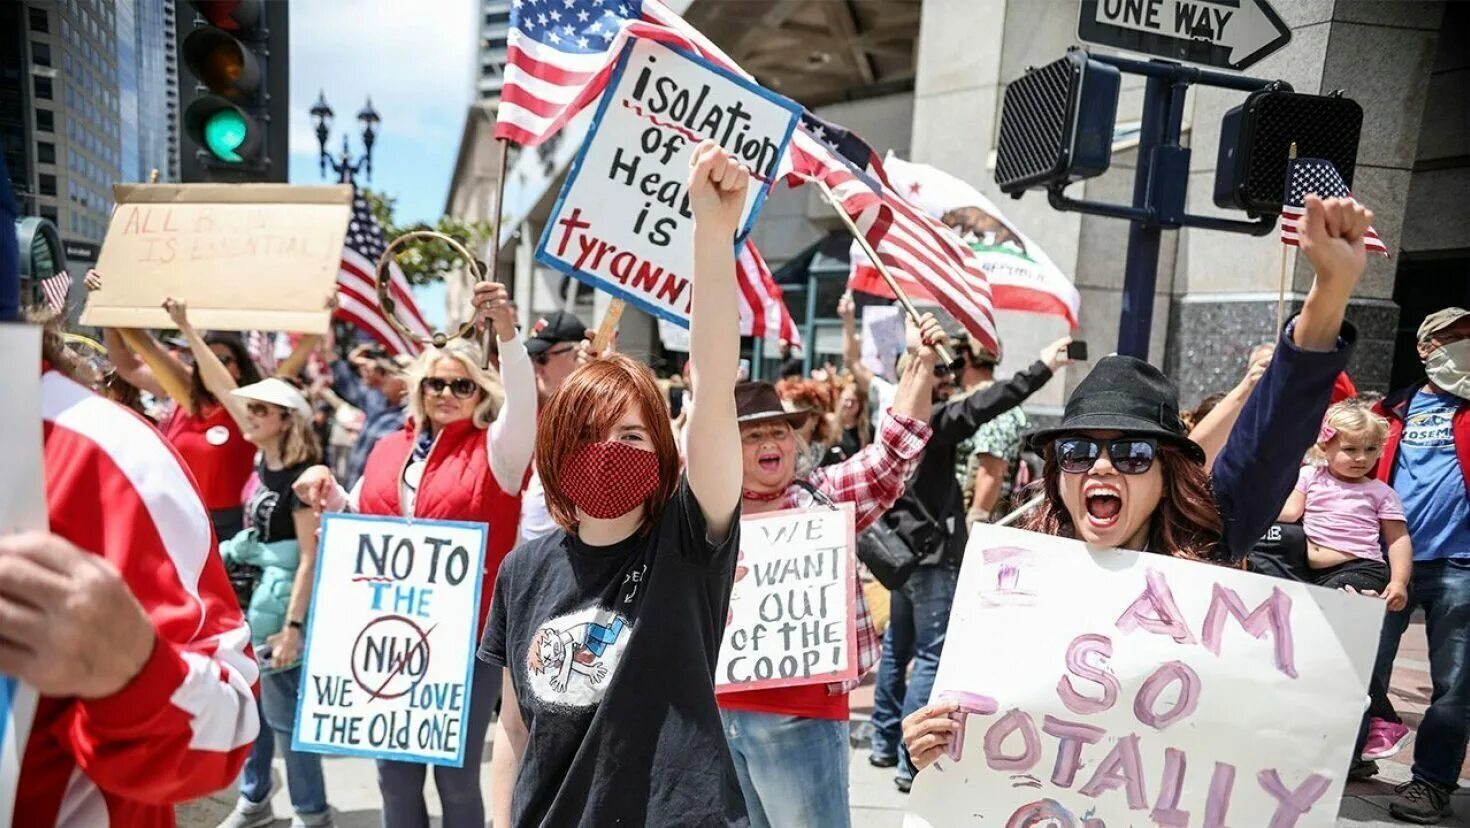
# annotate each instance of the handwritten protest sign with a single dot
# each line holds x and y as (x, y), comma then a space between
(623, 221)
(792, 611)
(243, 256)
(1109, 687)
(390, 648)
(22, 509)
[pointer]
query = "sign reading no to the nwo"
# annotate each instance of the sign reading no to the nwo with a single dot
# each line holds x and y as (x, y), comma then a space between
(391, 641)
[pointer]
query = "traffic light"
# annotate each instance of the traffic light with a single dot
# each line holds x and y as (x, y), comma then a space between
(235, 92)
(1256, 139)
(1056, 124)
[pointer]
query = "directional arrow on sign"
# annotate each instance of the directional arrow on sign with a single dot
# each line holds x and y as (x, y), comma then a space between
(1229, 34)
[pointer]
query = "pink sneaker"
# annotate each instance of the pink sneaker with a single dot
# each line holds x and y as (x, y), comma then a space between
(1385, 739)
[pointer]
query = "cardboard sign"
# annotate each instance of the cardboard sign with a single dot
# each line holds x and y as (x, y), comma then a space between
(22, 509)
(793, 608)
(243, 256)
(623, 222)
(390, 646)
(1109, 687)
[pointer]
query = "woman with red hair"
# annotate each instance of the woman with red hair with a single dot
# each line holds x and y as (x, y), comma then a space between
(609, 628)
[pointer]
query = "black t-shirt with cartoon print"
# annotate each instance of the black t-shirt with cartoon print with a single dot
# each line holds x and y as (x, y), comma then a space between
(612, 654)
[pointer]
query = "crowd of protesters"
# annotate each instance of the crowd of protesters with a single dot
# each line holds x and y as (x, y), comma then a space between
(614, 501)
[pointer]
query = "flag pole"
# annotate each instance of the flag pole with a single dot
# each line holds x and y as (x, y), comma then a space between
(945, 354)
(1281, 289)
(487, 338)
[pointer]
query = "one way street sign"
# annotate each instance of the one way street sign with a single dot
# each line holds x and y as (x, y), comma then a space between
(1228, 34)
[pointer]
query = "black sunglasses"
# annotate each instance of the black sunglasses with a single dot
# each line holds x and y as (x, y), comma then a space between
(1129, 455)
(461, 388)
(261, 409)
(545, 356)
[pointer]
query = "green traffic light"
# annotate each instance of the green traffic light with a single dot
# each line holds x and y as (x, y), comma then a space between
(225, 132)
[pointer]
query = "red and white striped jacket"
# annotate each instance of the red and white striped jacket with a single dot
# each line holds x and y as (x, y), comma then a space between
(184, 725)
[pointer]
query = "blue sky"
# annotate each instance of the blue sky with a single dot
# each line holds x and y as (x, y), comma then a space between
(416, 59)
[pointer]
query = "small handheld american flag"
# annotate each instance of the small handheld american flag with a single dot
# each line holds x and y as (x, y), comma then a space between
(1314, 176)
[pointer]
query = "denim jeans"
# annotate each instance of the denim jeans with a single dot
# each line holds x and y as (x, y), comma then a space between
(793, 770)
(303, 770)
(1442, 589)
(401, 784)
(918, 618)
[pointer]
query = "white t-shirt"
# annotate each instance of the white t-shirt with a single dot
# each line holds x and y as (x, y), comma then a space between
(535, 517)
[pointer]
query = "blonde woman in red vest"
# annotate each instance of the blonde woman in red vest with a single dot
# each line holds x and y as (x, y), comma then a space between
(462, 455)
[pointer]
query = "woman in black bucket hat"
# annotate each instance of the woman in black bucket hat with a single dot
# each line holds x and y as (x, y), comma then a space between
(1121, 471)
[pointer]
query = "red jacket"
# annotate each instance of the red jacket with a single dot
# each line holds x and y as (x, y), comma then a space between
(1395, 407)
(457, 485)
(182, 728)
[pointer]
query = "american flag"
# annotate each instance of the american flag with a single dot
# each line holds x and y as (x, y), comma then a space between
(357, 292)
(1314, 176)
(918, 249)
(56, 288)
(763, 311)
(261, 345)
(560, 54)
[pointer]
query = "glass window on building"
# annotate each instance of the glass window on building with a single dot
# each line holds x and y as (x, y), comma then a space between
(47, 184)
(45, 152)
(40, 20)
(45, 120)
(49, 214)
(44, 89)
(40, 54)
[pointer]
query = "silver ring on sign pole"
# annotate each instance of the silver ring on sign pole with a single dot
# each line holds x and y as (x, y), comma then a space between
(385, 298)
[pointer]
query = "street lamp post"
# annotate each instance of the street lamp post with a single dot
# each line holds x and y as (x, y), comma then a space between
(344, 166)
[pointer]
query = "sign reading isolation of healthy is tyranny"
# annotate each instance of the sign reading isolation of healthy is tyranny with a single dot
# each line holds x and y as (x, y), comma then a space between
(1104, 687)
(623, 221)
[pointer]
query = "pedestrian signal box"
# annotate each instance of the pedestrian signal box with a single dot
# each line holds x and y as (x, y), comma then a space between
(1056, 124)
(1256, 139)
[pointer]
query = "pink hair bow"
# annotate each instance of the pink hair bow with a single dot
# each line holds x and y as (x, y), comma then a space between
(1325, 434)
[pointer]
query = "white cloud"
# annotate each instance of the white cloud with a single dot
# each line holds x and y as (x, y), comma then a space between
(414, 57)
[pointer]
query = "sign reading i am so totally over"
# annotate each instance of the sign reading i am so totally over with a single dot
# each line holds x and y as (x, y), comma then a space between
(623, 221)
(1103, 688)
(390, 644)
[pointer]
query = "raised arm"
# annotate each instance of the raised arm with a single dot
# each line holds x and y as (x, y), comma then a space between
(512, 438)
(852, 344)
(955, 422)
(717, 186)
(1212, 431)
(1281, 418)
(875, 478)
(216, 376)
(299, 356)
(139, 359)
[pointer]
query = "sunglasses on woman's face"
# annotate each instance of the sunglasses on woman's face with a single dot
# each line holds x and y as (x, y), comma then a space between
(461, 388)
(261, 409)
(1129, 455)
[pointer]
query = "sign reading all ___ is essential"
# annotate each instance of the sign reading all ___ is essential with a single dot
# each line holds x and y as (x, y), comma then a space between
(391, 639)
(623, 221)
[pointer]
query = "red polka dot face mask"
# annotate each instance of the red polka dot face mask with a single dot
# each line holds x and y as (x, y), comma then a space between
(609, 479)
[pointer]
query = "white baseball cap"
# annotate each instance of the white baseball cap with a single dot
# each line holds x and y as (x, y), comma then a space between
(276, 392)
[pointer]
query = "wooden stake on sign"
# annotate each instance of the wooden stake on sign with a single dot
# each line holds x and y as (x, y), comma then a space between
(946, 355)
(494, 263)
(1021, 511)
(1281, 289)
(608, 327)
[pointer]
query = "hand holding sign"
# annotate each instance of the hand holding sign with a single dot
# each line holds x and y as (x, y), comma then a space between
(55, 600)
(717, 185)
(493, 302)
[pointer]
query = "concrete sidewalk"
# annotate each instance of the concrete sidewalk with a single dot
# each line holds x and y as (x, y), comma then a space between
(353, 791)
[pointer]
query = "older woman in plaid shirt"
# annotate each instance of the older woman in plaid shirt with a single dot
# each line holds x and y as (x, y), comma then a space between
(790, 744)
